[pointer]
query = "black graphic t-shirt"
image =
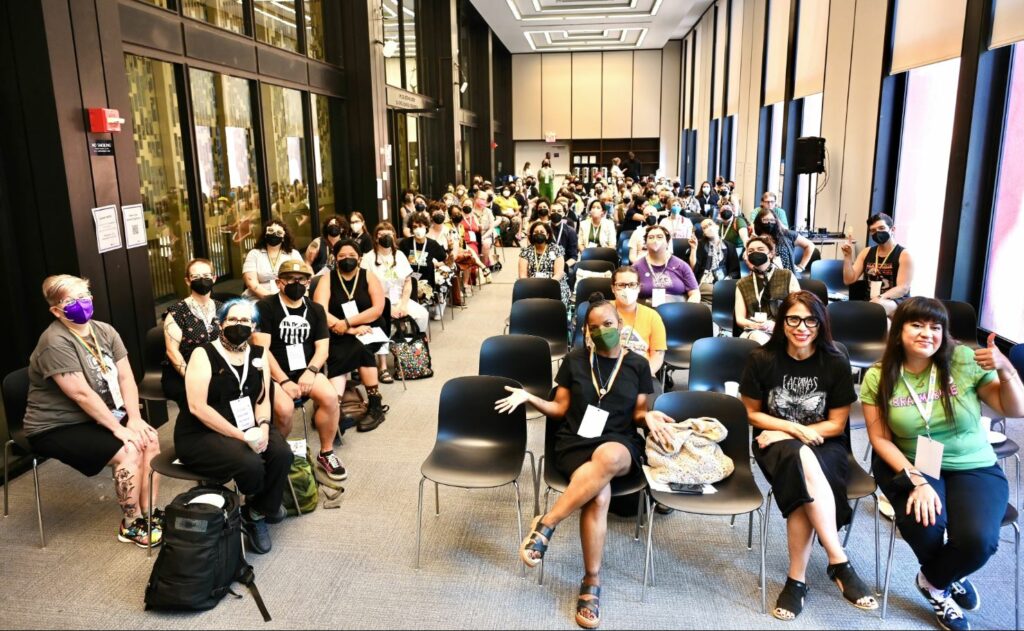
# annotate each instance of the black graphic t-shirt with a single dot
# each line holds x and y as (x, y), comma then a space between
(304, 325)
(883, 268)
(795, 390)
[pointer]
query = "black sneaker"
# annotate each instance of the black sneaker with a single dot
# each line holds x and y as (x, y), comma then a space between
(257, 532)
(965, 595)
(278, 517)
(947, 612)
(332, 466)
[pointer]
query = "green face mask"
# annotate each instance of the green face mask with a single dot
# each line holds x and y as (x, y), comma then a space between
(605, 338)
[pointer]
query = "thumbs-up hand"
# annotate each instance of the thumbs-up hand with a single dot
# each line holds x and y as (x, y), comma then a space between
(847, 248)
(990, 357)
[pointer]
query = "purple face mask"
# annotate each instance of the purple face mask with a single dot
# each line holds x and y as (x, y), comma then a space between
(79, 311)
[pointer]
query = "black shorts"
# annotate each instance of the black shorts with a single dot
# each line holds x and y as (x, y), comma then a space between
(87, 447)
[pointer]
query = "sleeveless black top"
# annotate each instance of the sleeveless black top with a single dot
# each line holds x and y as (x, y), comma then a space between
(361, 296)
(886, 270)
(224, 387)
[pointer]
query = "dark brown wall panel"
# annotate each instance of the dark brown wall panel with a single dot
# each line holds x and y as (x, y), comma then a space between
(202, 43)
(151, 28)
(281, 65)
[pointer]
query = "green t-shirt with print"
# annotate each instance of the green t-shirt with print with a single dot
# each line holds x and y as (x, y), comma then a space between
(965, 446)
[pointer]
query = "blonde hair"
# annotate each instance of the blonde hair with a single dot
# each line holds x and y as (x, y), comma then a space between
(57, 287)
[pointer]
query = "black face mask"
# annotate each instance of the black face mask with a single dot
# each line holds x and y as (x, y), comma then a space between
(348, 265)
(201, 286)
(538, 238)
(456, 217)
(386, 241)
(334, 230)
(294, 291)
(237, 334)
(650, 220)
(420, 207)
(881, 238)
(438, 218)
(274, 240)
(767, 228)
(726, 215)
(757, 259)
(556, 219)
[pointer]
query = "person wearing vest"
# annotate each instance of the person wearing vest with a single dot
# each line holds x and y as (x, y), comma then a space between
(886, 266)
(759, 294)
(318, 254)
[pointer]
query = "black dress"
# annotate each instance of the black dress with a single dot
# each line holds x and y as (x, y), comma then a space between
(194, 333)
(634, 379)
(801, 391)
(346, 352)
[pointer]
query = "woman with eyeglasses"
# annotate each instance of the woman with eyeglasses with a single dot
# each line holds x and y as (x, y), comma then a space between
(225, 433)
(664, 277)
(544, 258)
(643, 330)
(766, 223)
(798, 390)
(83, 405)
(259, 272)
(189, 324)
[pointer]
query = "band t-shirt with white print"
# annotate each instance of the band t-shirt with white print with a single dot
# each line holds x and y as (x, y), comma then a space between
(303, 325)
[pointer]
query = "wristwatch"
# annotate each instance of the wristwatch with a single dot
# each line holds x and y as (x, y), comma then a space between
(313, 369)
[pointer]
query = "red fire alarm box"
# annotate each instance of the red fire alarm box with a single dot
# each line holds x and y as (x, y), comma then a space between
(104, 121)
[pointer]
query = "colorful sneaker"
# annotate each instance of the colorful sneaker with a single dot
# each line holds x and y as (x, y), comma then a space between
(137, 533)
(965, 594)
(332, 466)
(947, 612)
(159, 519)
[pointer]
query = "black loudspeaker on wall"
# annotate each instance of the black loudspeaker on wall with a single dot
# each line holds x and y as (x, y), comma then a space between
(810, 155)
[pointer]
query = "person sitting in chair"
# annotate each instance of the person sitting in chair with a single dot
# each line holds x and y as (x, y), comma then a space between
(886, 266)
(759, 294)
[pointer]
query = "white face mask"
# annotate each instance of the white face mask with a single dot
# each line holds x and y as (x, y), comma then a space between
(357, 227)
(419, 233)
(629, 296)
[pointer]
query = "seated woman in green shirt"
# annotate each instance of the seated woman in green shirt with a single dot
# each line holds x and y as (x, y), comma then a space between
(932, 458)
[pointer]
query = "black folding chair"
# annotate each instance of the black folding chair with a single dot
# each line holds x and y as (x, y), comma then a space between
(536, 288)
(623, 248)
(600, 254)
(587, 286)
(816, 287)
(716, 360)
(681, 249)
(596, 266)
(723, 305)
(545, 318)
(523, 358)
(963, 322)
(685, 323)
(830, 272)
(476, 446)
(862, 328)
(151, 390)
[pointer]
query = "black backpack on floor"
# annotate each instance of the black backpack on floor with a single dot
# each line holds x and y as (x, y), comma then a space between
(201, 555)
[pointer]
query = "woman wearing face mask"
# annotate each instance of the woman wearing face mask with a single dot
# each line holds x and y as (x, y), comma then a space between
(483, 217)
(565, 235)
(437, 232)
(678, 226)
(798, 392)
(546, 180)
(932, 455)
(509, 220)
(360, 233)
(354, 300)
(318, 254)
(664, 277)
(598, 230)
(544, 259)
(707, 199)
(767, 224)
(189, 324)
(603, 381)
(887, 267)
(643, 331)
(260, 268)
(225, 433)
(759, 294)
(712, 259)
(734, 227)
(464, 257)
(83, 405)
(425, 255)
(638, 240)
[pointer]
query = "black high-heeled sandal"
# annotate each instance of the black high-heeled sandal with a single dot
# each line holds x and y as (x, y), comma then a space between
(853, 588)
(790, 603)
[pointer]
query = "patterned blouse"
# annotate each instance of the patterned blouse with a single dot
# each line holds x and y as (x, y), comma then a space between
(543, 266)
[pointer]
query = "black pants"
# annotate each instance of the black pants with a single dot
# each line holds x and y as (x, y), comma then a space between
(260, 477)
(973, 505)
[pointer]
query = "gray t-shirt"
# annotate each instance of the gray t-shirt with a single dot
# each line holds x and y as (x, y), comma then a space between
(58, 352)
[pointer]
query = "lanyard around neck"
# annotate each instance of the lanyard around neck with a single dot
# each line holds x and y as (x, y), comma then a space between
(603, 391)
(924, 409)
(93, 349)
(245, 367)
(285, 307)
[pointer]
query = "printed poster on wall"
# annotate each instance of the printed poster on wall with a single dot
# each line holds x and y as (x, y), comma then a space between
(134, 225)
(108, 235)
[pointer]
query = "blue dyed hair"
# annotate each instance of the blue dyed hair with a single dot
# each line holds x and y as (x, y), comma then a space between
(227, 306)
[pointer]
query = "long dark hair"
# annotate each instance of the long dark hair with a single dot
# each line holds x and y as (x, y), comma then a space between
(822, 342)
(286, 246)
(928, 311)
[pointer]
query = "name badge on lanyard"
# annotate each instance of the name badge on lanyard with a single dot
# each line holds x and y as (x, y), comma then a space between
(350, 309)
(594, 419)
(110, 376)
(241, 408)
(928, 459)
(296, 352)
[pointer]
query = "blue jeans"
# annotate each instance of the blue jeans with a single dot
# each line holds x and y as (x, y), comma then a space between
(973, 505)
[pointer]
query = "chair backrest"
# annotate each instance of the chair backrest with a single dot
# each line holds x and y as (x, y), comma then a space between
(623, 249)
(857, 322)
(543, 317)
(15, 390)
(681, 249)
(466, 414)
(744, 268)
(830, 272)
(816, 287)
(728, 410)
(523, 358)
(723, 303)
(155, 350)
(587, 286)
(596, 265)
(715, 360)
(798, 255)
(600, 254)
(582, 308)
(963, 321)
(224, 296)
(685, 322)
(536, 288)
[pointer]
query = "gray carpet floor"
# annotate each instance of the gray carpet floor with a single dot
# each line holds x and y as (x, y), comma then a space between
(353, 567)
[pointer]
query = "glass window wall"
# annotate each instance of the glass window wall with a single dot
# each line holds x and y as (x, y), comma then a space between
(401, 67)
(275, 23)
(226, 14)
(322, 155)
(286, 161)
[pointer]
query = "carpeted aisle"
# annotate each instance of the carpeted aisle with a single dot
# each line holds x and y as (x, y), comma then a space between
(353, 567)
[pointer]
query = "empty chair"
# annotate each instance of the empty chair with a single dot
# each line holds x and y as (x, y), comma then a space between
(588, 286)
(723, 304)
(151, 389)
(816, 287)
(623, 248)
(830, 272)
(738, 494)
(716, 360)
(685, 323)
(545, 318)
(862, 328)
(963, 322)
(522, 358)
(596, 266)
(600, 254)
(536, 288)
(476, 446)
(681, 249)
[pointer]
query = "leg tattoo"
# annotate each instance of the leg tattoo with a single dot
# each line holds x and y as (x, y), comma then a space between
(124, 486)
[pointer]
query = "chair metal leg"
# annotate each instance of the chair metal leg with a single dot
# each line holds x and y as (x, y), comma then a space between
(849, 527)
(1016, 488)
(750, 529)
(533, 481)
(647, 557)
(867, 453)
(732, 521)
(639, 515)
(39, 502)
(888, 570)
(7, 464)
(650, 505)
(764, 531)
(1016, 575)
(149, 516)
(519, 527)
(419, 522)
(437, 500)
(874, 496)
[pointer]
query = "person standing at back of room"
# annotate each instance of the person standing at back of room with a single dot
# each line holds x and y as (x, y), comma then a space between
(546, 177)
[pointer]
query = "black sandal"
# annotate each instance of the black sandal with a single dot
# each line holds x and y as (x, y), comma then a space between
(592, 605)
(535, 543)
(791, 600)
(854, 590)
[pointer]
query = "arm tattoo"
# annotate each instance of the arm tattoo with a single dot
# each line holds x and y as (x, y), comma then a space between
(124, 484)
